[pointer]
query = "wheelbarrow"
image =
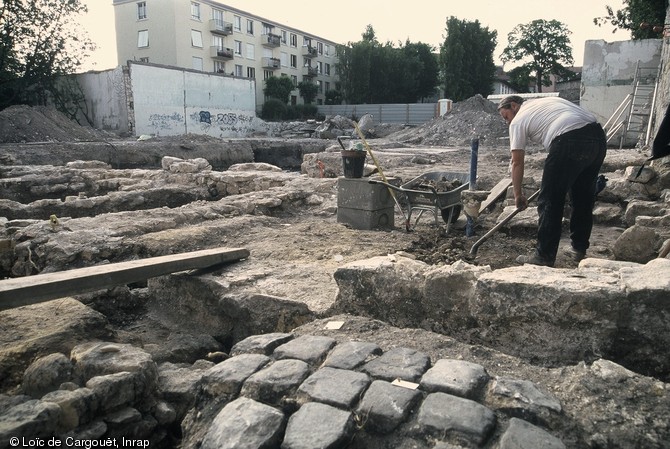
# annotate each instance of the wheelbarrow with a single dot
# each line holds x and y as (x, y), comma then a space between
(421, 195)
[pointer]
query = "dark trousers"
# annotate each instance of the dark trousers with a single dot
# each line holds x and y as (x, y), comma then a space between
(572, 166)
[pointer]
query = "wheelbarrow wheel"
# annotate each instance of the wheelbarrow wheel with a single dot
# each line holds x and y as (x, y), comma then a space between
(454, 216)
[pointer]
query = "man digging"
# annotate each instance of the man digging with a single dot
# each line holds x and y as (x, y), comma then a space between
(576, 146)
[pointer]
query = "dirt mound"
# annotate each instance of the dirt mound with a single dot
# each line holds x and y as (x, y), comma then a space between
(474, 117)
(19, 124)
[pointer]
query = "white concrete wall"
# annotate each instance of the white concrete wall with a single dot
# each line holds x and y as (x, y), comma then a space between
(105, 99)
(609, 70)
(170, 101)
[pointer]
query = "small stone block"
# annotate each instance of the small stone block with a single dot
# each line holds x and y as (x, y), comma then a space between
(261, 344)
(398, 363)
(441, 414)
(457, 377)
(337, 387)
(318, 425)
(523, 435)
(385, 406)
(352, 354)
(308, 348)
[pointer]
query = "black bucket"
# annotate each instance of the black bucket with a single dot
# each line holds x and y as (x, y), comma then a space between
(353, 163)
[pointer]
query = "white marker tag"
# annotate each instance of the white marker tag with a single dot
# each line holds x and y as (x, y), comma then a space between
(405, 384)
(334, 325)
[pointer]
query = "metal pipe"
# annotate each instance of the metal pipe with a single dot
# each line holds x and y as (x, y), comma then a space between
(474, 155)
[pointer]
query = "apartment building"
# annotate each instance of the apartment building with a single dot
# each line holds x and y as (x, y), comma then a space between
(212, 37)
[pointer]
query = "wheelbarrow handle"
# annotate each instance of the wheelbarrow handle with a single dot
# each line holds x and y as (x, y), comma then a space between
(391, 186)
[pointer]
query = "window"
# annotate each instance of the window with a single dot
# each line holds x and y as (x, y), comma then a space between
(250, 26)
(196, 38)
(327, 69)
(319, 46)
(141, 10)
(238, 70)
(217, 15)
(326, 86)
(144, 59)
(251, 51)
(267, 74)
(219, 67)
(294, 40)
(251, 72)
(320, 67)
(195, 11)
(294, 61)
(326, 51)
(238, 48)
(196, 63)
(237, 23)
(284, 36)
(143, 38)
(267, 29)
(319, 85)
(294, 80)
(217, 41)
(283, 57)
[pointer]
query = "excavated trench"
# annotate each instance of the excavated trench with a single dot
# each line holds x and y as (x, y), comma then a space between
(32, 193)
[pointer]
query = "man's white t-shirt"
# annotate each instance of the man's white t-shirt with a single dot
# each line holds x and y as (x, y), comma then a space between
(543, 119)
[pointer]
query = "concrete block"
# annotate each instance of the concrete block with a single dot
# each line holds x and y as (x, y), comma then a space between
(366, 219)
(358, 193)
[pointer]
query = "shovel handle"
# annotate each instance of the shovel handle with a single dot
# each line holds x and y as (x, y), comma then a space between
(502, 223)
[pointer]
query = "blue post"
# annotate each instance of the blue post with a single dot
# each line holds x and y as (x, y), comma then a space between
(474, 155)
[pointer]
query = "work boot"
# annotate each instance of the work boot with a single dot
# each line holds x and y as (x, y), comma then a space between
(534, 259)
(575, 254)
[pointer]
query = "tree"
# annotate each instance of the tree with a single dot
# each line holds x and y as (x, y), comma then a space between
(371, 72)
(466, 59)
(520, 78)
(640, 17)
(334, 97)
(545, 45)
(353, 67)
(422, 66)
(279, 88)
(308, 91)
(39, 42)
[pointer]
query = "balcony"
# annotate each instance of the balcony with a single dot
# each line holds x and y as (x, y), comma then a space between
(271, 63)
(309, 52)
(271, 40)
(220, 27)
(221, 52)
(310, 71)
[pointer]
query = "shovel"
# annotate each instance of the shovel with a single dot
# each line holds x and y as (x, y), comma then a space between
(485, 237)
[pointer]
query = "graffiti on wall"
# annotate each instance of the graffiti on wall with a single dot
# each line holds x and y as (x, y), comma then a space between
(166, 121)
(223, 124)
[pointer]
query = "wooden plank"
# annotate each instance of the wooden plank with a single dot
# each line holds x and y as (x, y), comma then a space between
(16, 292)
(496, 193)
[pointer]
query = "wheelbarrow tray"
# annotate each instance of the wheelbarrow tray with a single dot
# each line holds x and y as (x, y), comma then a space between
(447, 203)
(431, 199)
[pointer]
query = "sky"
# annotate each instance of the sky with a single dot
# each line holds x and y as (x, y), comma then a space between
(344, 21)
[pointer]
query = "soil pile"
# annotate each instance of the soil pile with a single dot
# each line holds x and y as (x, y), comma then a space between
(19, 124)
(475, 117)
